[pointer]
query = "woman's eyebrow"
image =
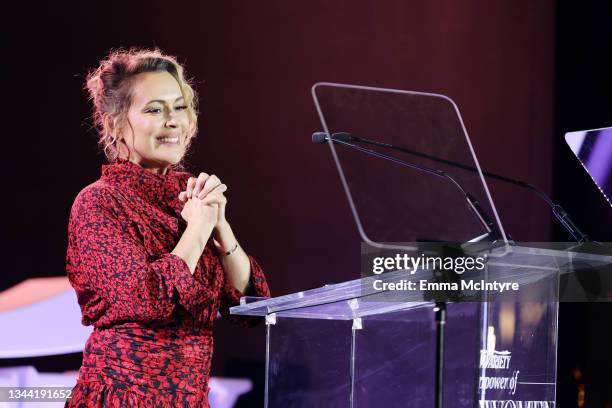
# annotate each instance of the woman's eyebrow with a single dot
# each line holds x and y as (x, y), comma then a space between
(162, 101)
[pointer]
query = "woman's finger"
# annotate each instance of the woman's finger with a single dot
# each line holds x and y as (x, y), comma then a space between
(190, 184)
(213, 188)
(216, 198)
(182, 196)
(211, 183)
(199, 185)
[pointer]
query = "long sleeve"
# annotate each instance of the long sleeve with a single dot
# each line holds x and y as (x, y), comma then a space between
(258, 286)
(116, 279)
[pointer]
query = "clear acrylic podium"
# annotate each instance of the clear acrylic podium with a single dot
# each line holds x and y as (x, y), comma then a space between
(351, 345)
(344, 345)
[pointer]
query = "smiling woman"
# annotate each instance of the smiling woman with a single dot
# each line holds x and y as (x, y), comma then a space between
(158, 127)
(151, 254)
(126, 83)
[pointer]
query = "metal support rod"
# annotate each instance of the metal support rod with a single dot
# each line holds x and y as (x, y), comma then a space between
(440, 312)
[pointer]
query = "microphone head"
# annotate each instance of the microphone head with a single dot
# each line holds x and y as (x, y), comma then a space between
(319, 138)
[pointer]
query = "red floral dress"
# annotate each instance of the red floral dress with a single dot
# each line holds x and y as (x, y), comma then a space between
(152, 343)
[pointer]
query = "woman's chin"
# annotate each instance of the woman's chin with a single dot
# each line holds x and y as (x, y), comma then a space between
(173, 159)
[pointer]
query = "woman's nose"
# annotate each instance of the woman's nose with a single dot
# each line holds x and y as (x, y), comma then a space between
(171, 121)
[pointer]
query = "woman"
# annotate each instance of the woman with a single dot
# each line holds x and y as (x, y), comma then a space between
(151, 254)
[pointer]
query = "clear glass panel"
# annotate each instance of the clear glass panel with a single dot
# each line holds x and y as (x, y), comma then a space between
(308, 363)
(518, 337)
(394, 203)
(394, 360)
(518, 352)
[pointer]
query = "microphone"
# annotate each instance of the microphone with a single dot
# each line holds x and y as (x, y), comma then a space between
(321, 137)
(561, 215)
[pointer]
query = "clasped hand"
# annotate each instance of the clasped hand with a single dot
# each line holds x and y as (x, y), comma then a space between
(204, 200)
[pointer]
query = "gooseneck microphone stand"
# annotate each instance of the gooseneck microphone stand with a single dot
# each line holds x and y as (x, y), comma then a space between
(558, 211)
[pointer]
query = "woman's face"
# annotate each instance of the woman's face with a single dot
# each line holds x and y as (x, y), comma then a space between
(160, 126)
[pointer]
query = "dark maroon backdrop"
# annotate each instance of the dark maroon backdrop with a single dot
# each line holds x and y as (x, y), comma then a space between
(255, 63)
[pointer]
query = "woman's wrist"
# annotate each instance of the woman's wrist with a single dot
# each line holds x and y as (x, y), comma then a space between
(191, 245)
(202, 230)
(224, 237)
(223, 234)
(222, 228)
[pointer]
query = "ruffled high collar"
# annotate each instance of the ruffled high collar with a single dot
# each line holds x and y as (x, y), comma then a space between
(151, 186)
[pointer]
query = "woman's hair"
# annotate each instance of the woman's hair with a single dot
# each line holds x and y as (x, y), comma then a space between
(109, 87)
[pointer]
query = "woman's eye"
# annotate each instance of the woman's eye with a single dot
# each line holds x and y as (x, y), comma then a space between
(182, 107)
(153, 110)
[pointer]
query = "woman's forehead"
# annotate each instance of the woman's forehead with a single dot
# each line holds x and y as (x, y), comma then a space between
(155, 87)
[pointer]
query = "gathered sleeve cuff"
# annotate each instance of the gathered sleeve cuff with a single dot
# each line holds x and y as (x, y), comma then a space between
(191, 293)
(258, 286)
